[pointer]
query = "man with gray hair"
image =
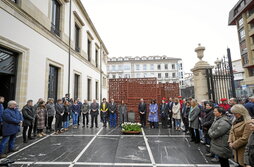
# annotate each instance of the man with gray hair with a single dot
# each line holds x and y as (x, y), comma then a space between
(250, 106)
(12, 119)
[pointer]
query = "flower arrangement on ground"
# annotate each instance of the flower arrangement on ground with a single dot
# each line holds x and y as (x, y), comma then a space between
(132, 128)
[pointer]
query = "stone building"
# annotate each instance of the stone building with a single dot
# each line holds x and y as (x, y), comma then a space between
(34, 51)
(242, 15)
(165, 69)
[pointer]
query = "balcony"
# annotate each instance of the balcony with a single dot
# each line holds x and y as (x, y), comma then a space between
(250, 18)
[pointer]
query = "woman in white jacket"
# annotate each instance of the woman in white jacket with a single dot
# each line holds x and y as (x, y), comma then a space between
(177, 114)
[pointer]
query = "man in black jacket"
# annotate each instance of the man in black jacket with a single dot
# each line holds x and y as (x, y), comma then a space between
(142, 112)
(59, 116)
(164, 113)
(112, 113)
(170, 105)
(28, 115)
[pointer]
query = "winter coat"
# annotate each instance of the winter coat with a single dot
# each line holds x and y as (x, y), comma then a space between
(153, 114)
(11, 120)
(1, 112)
(85, 108)
(207, 120)
(122, 113)
(112, 108)
(75, 108)
(249, 152)
(51, 110)
(219, 133)
(164, 110)
(28, 115)
(66, 113)
(176, 111)
(142, 108)
(239, 135)
(94, 109)
(41, 116)
(59, 110)
(250, 107)
(194, 117)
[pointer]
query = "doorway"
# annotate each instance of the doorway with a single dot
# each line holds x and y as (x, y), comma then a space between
(53, 82)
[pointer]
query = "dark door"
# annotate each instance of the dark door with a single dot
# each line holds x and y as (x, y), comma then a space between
(53, 82)
(8, 72)
(76, 86)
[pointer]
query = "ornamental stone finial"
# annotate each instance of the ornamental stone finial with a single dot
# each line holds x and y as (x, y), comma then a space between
(200, 51)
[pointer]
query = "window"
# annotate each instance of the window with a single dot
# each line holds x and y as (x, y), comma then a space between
(173, 66)
(240, 22)
(15, 1)
(120, 67)
(166, 66)
(182, 75)
(55, 22)
(89, 45)
(241, 34)
(159, 75)
(158, 66)
(137, 67)
(89, 86)
(76, 86)
(96, 90)
(144, 66)
(126, 67)
(114, 76)
(77, 36)
(251, 72)
(250, 12)
(243, 46)
(181, 66)
(173, 75)
(245, 59)
(96, 57)
(166, 75)
(151, 67)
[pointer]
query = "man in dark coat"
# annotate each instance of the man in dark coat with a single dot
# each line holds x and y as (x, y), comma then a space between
(112, 113)
(12, 119)
(85, 113)
(94, 112)
(250, 106)
(28, 115)
(170, 114)
(142, 112)
(59, 116)
(164, 113)
(208, 121)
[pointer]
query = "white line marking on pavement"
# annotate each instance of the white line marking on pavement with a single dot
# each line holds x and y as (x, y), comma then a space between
(112, 164)
(29, 145)
(148, 148)
(83, 151)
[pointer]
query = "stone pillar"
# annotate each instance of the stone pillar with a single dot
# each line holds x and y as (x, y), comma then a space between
(200, 79)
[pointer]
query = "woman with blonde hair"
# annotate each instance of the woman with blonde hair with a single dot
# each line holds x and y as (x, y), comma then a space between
(177, 114)
(240, 132)
(194, 121)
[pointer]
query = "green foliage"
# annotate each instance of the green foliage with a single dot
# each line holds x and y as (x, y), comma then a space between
(128, 127)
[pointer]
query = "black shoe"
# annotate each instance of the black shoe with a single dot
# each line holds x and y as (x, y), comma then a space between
(24, 141)
(31, 138)
(91, 127)
(87, 126)
(98, 127)
(83, 126)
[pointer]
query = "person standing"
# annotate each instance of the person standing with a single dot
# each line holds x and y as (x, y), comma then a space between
(122, 112)
(85, 113)
(240, 132)
(59, 116)
(50, 107)
(185, 113)
(41, 117)
(80, 106)
(28, 116)
(94, 112)
(104, 112)
(112, 113)
(12, 119)
(1, 113)
(164, 113)
(249, 149)
(66, 115)
(142, 112)
(219, 133)
(208, 121)
(153, 115)
(75, 110)
(250, 106)
(194, 121)
(35, 119)
(170, 114)
(177, 114)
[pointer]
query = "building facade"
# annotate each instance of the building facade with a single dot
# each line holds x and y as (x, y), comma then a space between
(37, 59)
(242, 15)
(239, 78)
(165, 69)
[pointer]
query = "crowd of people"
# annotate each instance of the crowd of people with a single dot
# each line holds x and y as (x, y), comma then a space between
(226, 128)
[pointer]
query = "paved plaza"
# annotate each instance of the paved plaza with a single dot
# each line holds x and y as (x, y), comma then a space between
(108, 147)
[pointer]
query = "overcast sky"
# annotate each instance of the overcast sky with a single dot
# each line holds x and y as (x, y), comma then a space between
(165, 27)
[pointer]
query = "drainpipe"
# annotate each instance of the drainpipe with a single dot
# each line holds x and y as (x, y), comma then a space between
(69, 56)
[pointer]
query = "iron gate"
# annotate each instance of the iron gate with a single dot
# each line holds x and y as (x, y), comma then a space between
(220, 80)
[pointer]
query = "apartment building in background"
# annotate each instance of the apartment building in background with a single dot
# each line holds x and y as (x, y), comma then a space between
(34, 51)
(165, 69)
(242, 15)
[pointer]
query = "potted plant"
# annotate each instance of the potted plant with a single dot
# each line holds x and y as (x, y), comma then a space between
(131, 128)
